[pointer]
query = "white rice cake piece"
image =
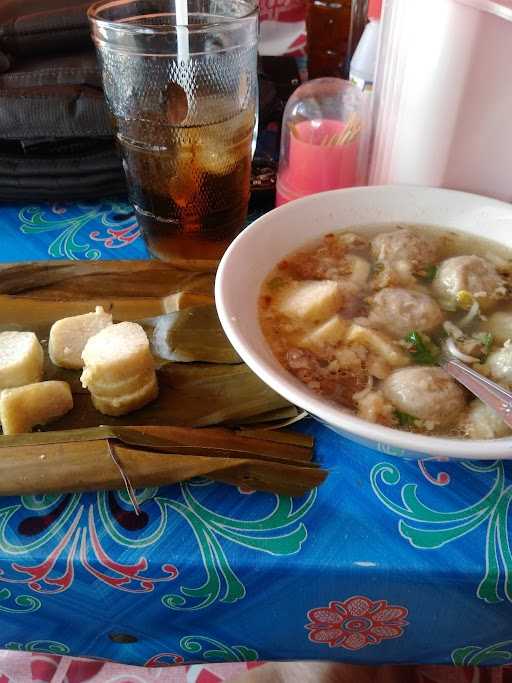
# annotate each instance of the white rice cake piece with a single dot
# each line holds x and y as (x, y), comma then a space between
(379, 344)
(116, 353)
(311, 300)
(126, 386)
(332, 332)
(21, 359)
(69, 336)
(129, 402)
(22, 408)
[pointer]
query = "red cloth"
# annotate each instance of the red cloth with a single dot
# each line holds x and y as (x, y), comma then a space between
(25, 667)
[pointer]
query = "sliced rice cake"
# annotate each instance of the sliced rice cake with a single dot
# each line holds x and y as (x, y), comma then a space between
(21, 359)
(69, 336)
(115, 354)
(120, 389)
(128, 402)
(22, 408)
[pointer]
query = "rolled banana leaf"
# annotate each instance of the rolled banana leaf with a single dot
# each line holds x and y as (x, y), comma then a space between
(215, 442)
(75, 280)
(87, 460)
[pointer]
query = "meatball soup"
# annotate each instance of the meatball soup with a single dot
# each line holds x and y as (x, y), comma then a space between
(362, 319)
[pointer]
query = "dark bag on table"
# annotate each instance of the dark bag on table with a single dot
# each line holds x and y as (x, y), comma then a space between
(56, 137)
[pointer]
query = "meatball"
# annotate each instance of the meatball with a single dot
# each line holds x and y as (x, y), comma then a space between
(483, 423)
(427, 393)
(418, 250)
(398, 311)
(500, 365)
(471, 274)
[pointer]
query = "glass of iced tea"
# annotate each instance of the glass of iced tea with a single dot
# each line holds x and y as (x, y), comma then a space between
(185, 119)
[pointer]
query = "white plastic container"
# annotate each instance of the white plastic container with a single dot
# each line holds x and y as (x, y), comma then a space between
(364, 61)
(443, 109)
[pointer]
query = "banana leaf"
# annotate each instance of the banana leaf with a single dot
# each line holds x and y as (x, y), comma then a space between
(109, 457)
(275, 419)
(64, 280)
(214, 442)
(289, 412)
(90, 466)
(212, 387)
(192, 395)
(192, 334)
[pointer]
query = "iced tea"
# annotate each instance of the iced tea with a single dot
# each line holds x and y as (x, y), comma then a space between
(184, 102)
(189, 185)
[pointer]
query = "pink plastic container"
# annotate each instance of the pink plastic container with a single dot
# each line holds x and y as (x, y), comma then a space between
(319, 152)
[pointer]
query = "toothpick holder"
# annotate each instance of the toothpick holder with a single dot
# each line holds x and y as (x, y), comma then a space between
(319, 152)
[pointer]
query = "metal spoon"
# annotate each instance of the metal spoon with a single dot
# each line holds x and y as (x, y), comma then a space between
(177, 104)
(492, 394)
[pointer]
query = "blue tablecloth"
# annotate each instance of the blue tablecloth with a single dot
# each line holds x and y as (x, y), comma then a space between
(389, 561)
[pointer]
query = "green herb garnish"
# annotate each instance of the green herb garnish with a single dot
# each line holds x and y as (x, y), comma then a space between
(430, 273)
(487, 340)
(404, 419)
(421, 349)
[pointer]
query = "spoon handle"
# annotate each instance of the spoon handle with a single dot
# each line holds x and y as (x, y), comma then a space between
(492, 394)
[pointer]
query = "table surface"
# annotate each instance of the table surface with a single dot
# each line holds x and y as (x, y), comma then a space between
(389, 561)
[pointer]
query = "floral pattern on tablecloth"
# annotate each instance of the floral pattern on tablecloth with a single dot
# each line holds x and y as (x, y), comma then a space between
(356, 622)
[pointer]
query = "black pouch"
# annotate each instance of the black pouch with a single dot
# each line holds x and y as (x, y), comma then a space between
(56, 138)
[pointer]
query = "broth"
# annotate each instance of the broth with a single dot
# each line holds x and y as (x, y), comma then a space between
(361, 318)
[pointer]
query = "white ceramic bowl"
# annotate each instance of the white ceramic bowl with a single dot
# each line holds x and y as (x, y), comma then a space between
(269, 239)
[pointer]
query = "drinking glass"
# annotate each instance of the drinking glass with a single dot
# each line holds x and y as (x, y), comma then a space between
(184, 105)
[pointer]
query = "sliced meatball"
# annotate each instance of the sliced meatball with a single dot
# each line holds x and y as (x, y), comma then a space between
(398, 311)
(472, 274)
(483, 423)
(427, 393)
(500, 365)
(403, 245)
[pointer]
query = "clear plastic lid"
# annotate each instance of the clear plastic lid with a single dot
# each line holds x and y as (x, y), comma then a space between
(320, 139)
